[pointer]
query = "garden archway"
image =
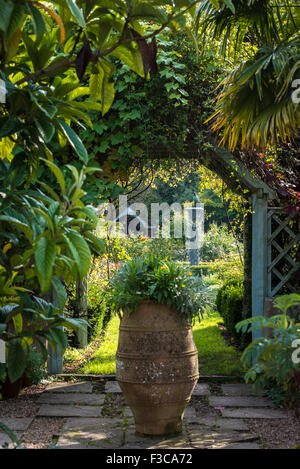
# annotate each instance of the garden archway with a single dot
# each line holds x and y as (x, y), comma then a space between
(269, 267)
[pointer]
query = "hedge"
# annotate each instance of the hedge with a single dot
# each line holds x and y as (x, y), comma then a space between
(229, 303)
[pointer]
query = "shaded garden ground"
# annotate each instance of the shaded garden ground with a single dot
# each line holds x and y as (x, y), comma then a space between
(205, 426)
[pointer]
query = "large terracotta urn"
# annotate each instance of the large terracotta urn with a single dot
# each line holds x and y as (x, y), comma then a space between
(157, 367)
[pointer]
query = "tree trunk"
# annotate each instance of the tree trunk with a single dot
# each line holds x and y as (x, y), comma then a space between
(81, 310)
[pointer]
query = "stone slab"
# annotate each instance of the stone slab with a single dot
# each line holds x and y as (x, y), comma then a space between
(239, 389)
(135, 440)
(190, 413)
(60, 387)
(71, 398)
(113, 387)
(242, 446)
(254, 413)
(49, 410)
(237, 401)
(201, 389)
(202, 438)
(66, 443)
(17, 424)
(4, 439)
(75, 424)
(94, 437)
(224, 424)
(128, 412)
(107, 433)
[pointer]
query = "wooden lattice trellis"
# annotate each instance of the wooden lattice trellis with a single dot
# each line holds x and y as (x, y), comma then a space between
(283, 256)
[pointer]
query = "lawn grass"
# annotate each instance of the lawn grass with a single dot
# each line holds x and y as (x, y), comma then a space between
(215, 356)
(103, 362)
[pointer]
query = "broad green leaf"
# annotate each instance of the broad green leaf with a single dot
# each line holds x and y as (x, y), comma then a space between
(45, 254)
(74, 171)
(76, 93)
(45, 127)
(65, 88)
(58, 337)
(74, 323)
(46, 217)
(26, 341)
(15, 20)
(38, 22)
(57, 173)
(16, 360)
(97, 243)
(18, 323)
(88, 212)
(76, 12)
(12, 44)
(32, 51)
(130, 56)
(19, 224)
(60, 293)
(74, 140)
(101, 86)
(6, 148)
(88, 106)
(148, 12)
(6, 7)
(96, 82)
(80, 251)
(9, 126)
(74, 114)
(108, 89)
(49, 189)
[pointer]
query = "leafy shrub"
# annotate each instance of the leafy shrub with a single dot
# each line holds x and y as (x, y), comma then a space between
(98, 309)
(160, 281)
(229, 303)
(218, 243)
(36, 368)
(44, 237)
(224, 270)
(131, 247)
(273, 362)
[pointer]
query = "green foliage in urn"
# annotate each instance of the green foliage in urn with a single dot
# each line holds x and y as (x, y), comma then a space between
(160, 281)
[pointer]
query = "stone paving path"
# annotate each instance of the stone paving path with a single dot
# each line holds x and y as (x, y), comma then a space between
(89, 425)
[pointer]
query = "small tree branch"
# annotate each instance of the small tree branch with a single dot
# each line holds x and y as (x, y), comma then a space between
(34, 75)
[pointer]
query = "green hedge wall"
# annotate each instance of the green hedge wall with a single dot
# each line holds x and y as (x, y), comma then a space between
(229, 303)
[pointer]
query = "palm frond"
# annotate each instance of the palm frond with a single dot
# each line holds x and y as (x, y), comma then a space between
(255, 105)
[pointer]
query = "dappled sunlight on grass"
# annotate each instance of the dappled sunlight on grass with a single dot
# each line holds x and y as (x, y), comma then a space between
(104, 360)
(215, 356)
